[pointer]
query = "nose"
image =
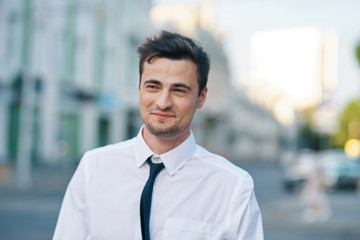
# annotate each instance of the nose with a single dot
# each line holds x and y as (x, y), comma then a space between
(164, 100)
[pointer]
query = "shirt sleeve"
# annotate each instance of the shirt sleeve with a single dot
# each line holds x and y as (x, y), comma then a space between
(245, 222)
(71, 222)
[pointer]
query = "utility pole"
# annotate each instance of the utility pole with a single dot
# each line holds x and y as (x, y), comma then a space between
(23, 163)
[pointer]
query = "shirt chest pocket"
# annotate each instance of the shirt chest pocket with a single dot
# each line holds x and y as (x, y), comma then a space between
(180, 229)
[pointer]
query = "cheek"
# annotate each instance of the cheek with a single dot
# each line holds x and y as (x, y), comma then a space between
(144, 99)
(188, 108)
(143, 106)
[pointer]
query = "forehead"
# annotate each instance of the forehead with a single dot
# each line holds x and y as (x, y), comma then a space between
(167, 69)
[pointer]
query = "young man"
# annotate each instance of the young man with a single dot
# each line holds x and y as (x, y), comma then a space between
(160, 184)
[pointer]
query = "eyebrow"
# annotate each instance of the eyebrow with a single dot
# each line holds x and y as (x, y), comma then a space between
(181, 85)
(152, 81)
(175, 85)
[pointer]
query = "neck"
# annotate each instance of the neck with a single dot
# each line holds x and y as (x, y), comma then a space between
(161, 145)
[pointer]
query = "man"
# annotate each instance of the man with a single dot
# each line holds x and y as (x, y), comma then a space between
(160, 184)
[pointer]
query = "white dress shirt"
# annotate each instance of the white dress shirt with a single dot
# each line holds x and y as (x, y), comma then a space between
(198, 195)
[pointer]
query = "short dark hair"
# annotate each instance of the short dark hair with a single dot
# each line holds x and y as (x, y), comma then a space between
(175, 46)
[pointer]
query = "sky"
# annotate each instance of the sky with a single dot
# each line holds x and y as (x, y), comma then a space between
(240, 19)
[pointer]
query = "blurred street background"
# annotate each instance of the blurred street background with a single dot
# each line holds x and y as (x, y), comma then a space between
(283, 102)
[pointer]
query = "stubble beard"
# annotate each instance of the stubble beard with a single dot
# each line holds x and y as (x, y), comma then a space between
(163, 131)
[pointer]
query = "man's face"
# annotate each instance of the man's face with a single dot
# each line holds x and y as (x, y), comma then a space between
(169, 96)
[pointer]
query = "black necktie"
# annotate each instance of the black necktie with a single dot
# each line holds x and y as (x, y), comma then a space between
(145, 201)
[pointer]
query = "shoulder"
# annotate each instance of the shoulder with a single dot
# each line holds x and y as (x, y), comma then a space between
(222, 165)
(99, 162)
(122, 148)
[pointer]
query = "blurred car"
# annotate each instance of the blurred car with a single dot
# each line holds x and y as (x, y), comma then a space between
(292, 180)
(338, 171)
(296, 171)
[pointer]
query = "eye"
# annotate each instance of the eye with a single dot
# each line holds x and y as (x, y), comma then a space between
(151, 86)
(179, 90)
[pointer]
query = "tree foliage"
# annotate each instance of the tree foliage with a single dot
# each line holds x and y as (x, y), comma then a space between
(357, 52)
(350, 114)
(308, 137)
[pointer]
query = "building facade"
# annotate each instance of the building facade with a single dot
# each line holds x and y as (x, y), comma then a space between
(69, 76)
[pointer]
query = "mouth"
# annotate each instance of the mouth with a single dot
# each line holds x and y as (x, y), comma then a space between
(162, 116)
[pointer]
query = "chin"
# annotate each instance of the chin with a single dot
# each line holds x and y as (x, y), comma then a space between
(163, 131)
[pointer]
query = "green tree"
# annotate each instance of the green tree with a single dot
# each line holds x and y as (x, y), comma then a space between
(357, 52)
(308, 137)
(350, 115)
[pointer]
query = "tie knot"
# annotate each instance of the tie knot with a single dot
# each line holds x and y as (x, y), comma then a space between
(155, 168)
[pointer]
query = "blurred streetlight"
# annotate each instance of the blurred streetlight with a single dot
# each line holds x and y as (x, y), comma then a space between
(352, 148)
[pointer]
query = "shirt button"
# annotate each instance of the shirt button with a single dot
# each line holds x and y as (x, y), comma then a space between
(156, 160)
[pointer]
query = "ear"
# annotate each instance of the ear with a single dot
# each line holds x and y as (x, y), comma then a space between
(202, 98)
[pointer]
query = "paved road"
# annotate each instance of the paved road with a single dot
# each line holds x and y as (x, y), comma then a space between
(32, 214)
(283, 213)
(29, 217)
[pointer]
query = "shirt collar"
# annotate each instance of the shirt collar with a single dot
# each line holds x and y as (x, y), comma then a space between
(173, 160)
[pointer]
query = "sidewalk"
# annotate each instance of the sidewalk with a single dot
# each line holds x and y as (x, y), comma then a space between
(44, 179)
